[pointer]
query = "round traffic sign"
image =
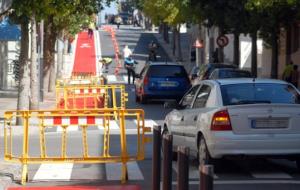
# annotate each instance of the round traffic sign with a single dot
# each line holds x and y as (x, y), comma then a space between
(222, 40)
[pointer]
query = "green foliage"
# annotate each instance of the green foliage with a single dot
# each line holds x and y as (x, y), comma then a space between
(172, 12)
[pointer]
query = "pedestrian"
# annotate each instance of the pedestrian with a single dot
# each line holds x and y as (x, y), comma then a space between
(118, 21)
(90, 29)
(287, 73)
(295, 76)
(130, 67)
(126, 52)
(152, 51)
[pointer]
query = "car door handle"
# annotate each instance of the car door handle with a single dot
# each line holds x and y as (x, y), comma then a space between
(195, 118)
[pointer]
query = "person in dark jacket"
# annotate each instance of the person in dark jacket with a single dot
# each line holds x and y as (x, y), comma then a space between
(130, 67)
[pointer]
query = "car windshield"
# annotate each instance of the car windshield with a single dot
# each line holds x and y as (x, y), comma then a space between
(167, 71)
(234, 74)
(236, 94)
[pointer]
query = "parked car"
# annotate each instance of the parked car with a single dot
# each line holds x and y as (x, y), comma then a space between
(161, 81)
(126, 18)
(222, 73)
(237, 117)
(205, 70)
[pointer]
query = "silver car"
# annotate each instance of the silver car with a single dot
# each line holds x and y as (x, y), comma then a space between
(237, 117)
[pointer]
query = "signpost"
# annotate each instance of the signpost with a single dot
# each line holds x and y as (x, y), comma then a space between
(222, 41)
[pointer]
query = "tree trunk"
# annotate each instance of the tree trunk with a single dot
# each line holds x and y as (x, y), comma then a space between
(60, 48)
(24, 83)
(236, 49)
(166, 32)
(274, 68)
(49, 50)
(179, 50)
(288, 43)
(34, 83)
(254, 54)
(174, 40)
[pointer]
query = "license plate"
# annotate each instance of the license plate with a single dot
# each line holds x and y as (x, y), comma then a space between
(269, 123)
(168, 84)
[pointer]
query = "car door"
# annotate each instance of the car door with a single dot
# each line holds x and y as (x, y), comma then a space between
(177, 116)
(193, 115)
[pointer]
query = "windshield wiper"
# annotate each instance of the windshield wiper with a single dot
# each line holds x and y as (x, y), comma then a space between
(251, 102)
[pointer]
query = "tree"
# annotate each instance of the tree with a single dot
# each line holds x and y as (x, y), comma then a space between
(172, 13)
(278, 14)
(24, 13)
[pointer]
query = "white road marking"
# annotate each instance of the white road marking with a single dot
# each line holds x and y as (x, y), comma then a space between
(193, 171)
(54, 172)
(85, 45)
(70, 128)
(111, 78)
(125, 78)
(113, 171)
(148, 123)
(113, 125)
(270, 175)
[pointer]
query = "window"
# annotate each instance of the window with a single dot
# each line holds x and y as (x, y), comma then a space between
(202, 96)
(188, 98)
(167, 71)
(236, 94)
(214, 75)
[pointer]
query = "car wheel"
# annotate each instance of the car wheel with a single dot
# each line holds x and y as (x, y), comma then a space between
(203, 154)
(174, 153)
(298, 164)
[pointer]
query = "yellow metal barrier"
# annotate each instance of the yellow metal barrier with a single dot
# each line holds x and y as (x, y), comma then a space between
(80, 80)
(65, 119)
(91, 97)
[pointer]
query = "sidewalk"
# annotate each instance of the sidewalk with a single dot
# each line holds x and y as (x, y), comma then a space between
(11, 172)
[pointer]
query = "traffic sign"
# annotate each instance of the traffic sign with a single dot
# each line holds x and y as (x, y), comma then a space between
(222, 41)
(198, 43)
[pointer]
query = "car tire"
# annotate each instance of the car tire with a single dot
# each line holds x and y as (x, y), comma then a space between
(298, 164)
(203, 154)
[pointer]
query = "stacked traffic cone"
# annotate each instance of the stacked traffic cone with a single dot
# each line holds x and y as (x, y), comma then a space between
(116, 47)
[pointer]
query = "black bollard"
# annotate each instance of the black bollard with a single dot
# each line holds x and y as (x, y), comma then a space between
(183, 168)
(167, 162)
(206, 177)
(156, 161)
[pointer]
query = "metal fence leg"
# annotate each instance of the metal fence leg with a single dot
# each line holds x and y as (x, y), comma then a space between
(183, 168)
(124, 176)
(167, 162)
(24, 177)
(156, 161)
(206, 177)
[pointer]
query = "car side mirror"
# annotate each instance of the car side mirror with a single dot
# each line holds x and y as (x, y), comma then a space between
(171, 104)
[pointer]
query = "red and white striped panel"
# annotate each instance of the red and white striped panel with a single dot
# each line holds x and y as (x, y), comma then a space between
(89, 91)
(72, 120)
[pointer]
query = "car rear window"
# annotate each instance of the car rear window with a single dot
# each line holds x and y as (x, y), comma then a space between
(236, 94)
(234, 74)
(167, 71)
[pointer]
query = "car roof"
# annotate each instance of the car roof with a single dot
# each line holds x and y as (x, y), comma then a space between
(164, 63)
(228, 81)
(230, 69)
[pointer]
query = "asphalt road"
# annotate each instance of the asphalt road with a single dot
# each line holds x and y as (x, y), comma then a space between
(258, 174)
